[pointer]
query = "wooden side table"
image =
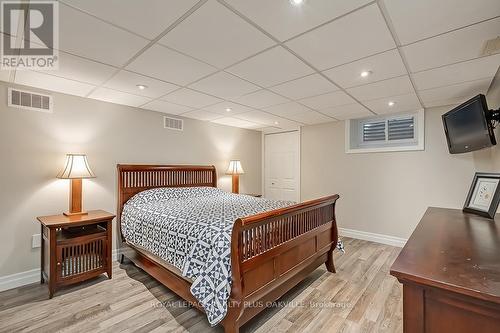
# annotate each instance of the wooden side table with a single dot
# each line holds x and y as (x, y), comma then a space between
(75, 248)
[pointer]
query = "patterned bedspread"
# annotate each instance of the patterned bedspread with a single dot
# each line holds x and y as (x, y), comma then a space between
(190, 228)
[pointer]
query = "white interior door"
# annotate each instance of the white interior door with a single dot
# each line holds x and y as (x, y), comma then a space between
(282, 166)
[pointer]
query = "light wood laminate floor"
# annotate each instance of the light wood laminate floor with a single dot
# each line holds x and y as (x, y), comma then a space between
(360, 297)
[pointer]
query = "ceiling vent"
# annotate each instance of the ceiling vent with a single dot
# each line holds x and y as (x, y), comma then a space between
(491, 47)
(173, 123)
(29, 100)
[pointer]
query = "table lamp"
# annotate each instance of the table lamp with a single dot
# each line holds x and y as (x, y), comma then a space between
(236, 170)
(76, 169)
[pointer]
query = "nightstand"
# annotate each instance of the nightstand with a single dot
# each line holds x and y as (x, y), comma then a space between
(75, 248)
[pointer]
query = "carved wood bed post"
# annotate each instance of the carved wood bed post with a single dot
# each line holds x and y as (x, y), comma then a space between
(235, 306)
(330, 266)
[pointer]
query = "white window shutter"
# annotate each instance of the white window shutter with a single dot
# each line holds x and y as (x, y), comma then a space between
(401, 129)
(374, 131)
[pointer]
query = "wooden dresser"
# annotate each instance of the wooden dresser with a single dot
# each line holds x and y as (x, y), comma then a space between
(450, 271)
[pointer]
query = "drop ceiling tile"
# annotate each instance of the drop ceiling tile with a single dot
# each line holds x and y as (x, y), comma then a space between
(118, 97)
(381, 66)
(146, 20)
(4, 75)
(261, 99)
(455, 93)
(402, 103)
(51, 82)
(286, 124)
(227, 108)
(391, 87)
(191, 98)
(415, 20)
(83, 70)
(357, 35)
(217, 36)
(350, 111)
(166, 107)
(229, 121)
(327, 100)
(270, 129)
(224, 85)
(127, 82)
(287, 109)
(452, 47)
(465, 71)
(284, 20)
(202, 115)
(168, 65)
(271, 67)
(307, 86)
(259, 117)
(311, 118)
(86, 36)
(444, 102)
(267, 119)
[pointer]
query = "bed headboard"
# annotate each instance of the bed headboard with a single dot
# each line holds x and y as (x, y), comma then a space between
(133, 179)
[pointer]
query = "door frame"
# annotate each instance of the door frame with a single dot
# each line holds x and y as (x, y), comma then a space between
(263, 159)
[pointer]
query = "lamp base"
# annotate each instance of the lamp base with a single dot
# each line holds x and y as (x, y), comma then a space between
(75, 199)
(75, 214)
(236, 184)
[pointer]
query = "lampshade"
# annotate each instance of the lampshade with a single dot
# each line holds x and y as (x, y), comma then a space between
(235, 168)
(76, 167)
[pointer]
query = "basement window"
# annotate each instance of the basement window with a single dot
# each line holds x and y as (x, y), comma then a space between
(395, 132)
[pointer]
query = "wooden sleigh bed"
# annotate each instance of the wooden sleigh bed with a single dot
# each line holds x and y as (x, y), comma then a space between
(271, 252)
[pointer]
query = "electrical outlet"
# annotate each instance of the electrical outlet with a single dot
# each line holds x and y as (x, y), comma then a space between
(36, 241)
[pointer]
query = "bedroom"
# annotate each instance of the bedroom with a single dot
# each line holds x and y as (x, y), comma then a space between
(169, 106)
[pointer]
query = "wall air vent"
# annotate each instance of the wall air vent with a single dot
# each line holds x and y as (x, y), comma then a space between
(173, 123)
(29, 100)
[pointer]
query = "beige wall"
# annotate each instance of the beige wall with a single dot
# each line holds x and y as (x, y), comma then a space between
(33, 145)
(387, 193)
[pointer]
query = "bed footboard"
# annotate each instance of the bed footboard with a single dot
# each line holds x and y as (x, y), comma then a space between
(273, 251)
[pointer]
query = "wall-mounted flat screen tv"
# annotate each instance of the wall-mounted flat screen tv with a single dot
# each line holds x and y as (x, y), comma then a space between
(469, 126)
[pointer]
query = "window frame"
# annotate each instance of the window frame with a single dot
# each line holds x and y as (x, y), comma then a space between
(415, 144)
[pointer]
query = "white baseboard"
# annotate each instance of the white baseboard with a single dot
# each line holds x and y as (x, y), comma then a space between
(19, 279)
(28, 277)
(114, 255)
(373, 237)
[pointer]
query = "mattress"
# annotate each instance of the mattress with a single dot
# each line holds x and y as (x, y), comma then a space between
(190, 228)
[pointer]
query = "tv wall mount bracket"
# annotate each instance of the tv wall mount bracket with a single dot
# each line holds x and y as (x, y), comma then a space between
(494, 116)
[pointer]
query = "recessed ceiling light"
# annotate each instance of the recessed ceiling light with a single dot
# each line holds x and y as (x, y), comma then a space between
(391, 103)
(141, 86)
(296, 2)
(276, 123)
(229, 109)
(365, 73)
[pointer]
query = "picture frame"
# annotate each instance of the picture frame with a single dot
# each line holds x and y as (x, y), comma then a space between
(484, 195)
